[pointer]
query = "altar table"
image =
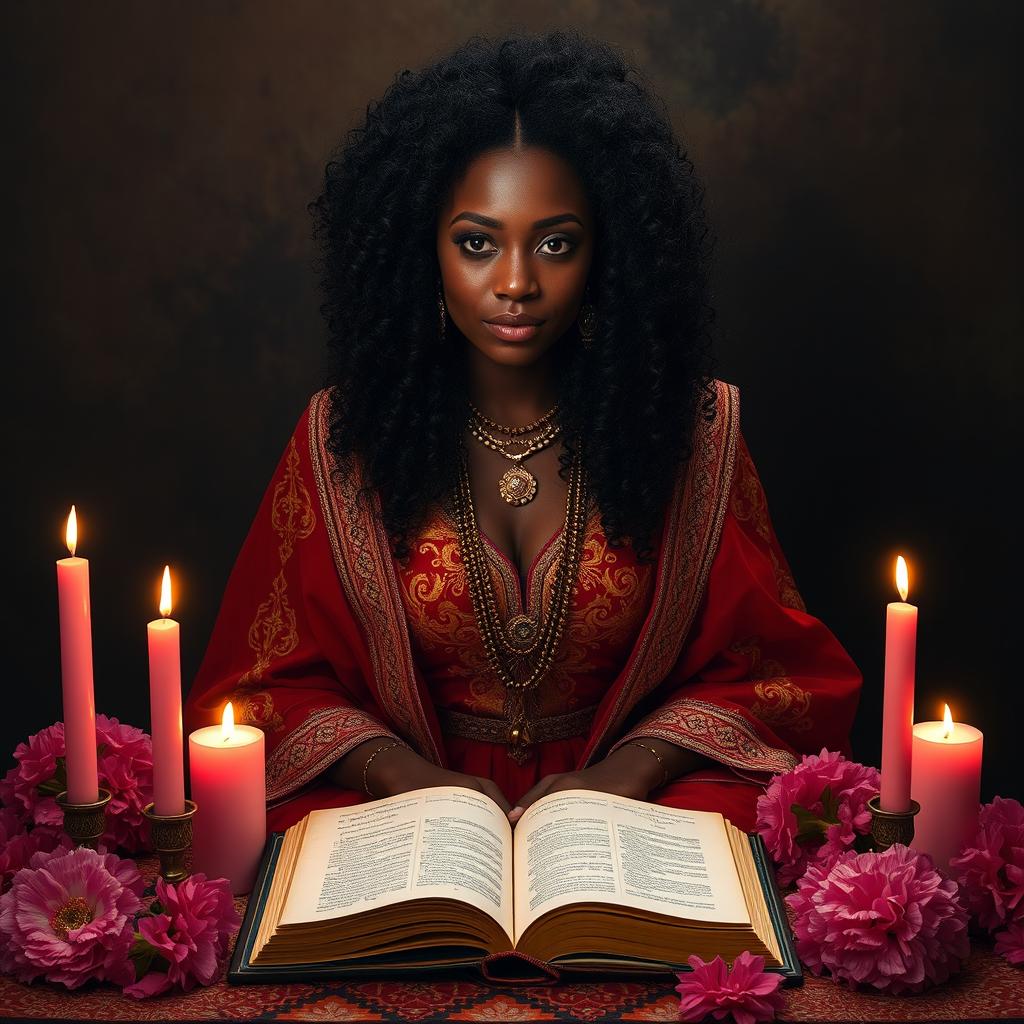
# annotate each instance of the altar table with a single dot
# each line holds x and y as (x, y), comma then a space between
(988, 989)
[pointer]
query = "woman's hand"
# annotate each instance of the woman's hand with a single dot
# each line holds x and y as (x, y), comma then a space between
(629, 771)
(399, 770)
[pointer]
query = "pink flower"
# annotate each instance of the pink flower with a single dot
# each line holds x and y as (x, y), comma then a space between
(748, 993)
(18, 844)
(1010, 942)
(125, 764)
(990, 870)
(815, 812)
(188, 939)
(68, 918)
(885, 920)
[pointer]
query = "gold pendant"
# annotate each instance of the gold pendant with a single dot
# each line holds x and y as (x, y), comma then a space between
(517, 486)
(521, 631)
(518, 745)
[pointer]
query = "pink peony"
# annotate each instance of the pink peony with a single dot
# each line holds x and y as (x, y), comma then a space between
(748, 993)
(815, 812)
(885, 920)
(1010, 942)
(990, 870)
(18, 844)
(125, 764)
(186, 941)
(68, 918)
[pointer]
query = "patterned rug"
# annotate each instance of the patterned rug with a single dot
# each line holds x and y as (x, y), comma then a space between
(988, 989)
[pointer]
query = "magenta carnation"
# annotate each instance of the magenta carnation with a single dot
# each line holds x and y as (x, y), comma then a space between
(815, 811)
(748, 993)
(68, 918)
(990, 870)
(17, 844)
(125, 767)
(1010, 942)
(186, 941)
(888, 920)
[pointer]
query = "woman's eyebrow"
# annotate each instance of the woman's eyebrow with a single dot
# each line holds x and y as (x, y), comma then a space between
(490, 222)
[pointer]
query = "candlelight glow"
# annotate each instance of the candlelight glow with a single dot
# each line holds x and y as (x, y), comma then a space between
(227, 724)
(947, 723)
(71, 533)
(902, 577)
(165, 593)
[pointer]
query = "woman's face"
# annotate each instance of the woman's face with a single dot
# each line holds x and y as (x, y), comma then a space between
(515, 235)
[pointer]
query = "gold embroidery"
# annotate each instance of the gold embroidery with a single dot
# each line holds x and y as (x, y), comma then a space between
(445, 631)
(325, 736)
(780, 702)
(748, 504)
(707, 728)
(690, 539)
(748, 501)
(273, 633)
(362, 558)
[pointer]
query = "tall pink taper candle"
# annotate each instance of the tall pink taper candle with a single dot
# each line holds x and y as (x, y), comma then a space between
(947, 785)
(165, 707)
(228, 776)
(898, 698)
(76, 672)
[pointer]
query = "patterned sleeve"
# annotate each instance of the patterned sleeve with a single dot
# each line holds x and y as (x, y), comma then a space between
(759, 680)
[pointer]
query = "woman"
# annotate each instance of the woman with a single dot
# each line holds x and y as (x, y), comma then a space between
(518, 543)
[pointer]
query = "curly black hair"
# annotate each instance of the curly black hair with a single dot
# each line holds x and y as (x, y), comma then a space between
(634, 395)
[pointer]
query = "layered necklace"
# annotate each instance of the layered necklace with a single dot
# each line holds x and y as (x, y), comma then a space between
(517, 485)
(521, 651)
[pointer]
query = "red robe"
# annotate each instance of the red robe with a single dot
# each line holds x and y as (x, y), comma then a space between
(323, 640)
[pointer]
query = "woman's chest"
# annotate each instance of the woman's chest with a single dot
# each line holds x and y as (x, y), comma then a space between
(610, 596)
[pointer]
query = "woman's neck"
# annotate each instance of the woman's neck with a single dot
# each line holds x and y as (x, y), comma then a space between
(513, 395)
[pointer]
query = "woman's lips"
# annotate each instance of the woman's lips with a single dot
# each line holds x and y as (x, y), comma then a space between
(509, 333)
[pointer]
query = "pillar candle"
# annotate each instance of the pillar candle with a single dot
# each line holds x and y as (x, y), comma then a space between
(226, 769)
(947, 785)
(76, 672)
(898, 697)
(165, 707)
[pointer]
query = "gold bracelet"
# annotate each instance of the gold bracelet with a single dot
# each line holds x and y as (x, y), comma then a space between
(637, 743)
(387, 746)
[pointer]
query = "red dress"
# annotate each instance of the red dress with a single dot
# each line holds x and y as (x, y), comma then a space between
(323, 640)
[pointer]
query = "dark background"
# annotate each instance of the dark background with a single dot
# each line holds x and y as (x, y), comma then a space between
(162, 333)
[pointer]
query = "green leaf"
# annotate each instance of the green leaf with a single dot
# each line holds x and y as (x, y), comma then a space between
(59, 782)
(808, 825)
(142, 956)
(829, 806)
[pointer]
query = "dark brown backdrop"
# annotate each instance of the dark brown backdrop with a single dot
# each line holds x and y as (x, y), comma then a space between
(162, 330)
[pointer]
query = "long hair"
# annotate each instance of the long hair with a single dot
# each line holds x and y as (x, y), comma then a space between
(633, 396)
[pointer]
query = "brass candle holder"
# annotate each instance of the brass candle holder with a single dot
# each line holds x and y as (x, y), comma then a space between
(172, 837)
(890, 827)
(85, 823)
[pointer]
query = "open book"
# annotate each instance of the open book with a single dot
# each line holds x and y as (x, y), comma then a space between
(439, 878)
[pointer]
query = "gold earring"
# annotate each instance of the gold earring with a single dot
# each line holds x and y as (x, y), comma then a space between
(440, 309)
(587, 322)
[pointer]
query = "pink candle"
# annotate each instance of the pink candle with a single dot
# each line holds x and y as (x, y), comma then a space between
(165, 707)
(229, 788)
(76, 672)
(947, 785)
(898, 699)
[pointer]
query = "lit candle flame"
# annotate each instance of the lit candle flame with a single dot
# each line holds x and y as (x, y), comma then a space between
(165, 593)
(947, 723)
(902, 577)
(71, 533)
(227, 724)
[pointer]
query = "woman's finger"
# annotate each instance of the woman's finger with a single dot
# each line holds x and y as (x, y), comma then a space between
(493, 790)
(534, 793)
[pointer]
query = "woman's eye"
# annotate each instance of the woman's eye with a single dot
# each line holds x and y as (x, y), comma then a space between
(475, 243)
(566, 245)
(472, 240)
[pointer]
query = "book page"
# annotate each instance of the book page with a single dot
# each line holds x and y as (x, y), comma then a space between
(582, 846)
(442, 841)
